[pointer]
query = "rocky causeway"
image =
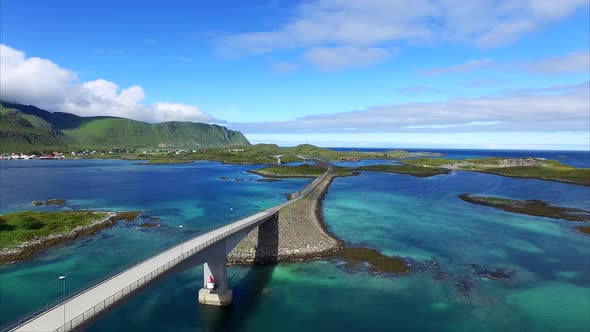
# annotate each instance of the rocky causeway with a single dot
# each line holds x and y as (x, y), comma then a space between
(298, 234)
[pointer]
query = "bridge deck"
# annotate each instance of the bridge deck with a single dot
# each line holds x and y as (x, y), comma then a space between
(86, 304)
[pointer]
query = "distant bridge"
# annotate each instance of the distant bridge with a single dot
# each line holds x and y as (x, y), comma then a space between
(209, 249)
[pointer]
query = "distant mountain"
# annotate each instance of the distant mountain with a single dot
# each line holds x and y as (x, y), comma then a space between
(28, 128)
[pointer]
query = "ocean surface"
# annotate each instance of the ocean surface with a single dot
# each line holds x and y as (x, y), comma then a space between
(451, 245)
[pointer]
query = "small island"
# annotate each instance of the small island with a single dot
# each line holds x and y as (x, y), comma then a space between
(529, 207)
(413, 170)
(533, 168)
(300, 171)
(53, 201)
(24, 234)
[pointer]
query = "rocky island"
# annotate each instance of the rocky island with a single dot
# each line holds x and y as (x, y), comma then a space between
(53, 201)
(24, 234)
(533, 208)
(529, 207)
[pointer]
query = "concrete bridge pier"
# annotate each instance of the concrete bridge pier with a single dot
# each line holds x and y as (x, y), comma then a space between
(217, 268)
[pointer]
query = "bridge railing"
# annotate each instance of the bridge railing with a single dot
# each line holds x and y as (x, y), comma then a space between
(140, 282)
(56, 302)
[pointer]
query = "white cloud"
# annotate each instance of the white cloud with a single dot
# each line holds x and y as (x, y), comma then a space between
(371, 24)
(43, 83)
(577, 62)
(39, 81)
(454, 125)
(468, 140)
(505, 32)
(337, 58)
(561, 108)
(179, 112)
(463, 67)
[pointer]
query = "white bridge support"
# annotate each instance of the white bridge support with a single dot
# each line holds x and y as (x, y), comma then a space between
(216, 267)
(279, 162)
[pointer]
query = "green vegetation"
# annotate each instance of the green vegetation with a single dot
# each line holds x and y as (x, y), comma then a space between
(290, 171)
(332, 155)
(430, 162)
(28, 129)
(523, 167)
(266, 154)
(376, 260)
(414, 170)
(300, 171)
(22, 132)
(19, 227)
(529, 207)
(560, 173)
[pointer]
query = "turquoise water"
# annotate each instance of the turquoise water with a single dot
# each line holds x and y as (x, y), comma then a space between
(192, 195)
(419, 219)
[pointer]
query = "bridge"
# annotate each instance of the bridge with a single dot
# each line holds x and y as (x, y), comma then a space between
(209, 249)
(279, 161)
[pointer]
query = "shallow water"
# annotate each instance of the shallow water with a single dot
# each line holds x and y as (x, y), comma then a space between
(419, 219)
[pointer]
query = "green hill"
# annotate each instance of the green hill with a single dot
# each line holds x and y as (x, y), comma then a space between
(26, 128)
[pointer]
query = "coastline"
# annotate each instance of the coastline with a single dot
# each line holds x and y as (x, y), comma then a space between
(30, 249)
(526, 177)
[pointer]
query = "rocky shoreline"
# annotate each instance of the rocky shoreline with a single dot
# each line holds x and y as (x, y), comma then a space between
(298, 234)
(29, 249)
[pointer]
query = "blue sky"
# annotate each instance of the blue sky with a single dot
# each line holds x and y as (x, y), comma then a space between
(424, 73)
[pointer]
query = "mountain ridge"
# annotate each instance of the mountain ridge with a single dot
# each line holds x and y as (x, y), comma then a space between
(25, 128)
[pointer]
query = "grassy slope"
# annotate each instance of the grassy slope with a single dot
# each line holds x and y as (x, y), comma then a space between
(551, 170)
(23, 132)
(99, 132)
(13, 226)
(29, 128)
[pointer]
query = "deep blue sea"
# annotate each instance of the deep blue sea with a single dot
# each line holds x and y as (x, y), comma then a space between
(421, 219)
